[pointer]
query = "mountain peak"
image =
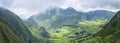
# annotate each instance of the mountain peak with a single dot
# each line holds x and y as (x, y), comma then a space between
(71, 9)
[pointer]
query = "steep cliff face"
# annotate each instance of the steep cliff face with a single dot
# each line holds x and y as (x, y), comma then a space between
(12, 28)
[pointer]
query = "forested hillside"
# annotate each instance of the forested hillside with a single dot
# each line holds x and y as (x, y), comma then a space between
(112, 29)
(13, 29)
(109, 32)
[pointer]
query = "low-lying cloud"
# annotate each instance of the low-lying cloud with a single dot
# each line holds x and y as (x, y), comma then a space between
(26, 8)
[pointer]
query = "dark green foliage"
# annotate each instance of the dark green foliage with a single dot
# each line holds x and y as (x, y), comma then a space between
(44, 33)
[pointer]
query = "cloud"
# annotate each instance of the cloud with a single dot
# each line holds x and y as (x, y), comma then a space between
(6, 3)
(31, 7)
(26, 8)
(22, 12)
(87, 5)
(35, 4)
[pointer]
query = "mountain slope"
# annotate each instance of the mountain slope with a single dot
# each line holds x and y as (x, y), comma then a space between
(6, 35)
(112, 29)
(13, 29)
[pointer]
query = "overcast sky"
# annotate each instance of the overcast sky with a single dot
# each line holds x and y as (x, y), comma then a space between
(26, 8)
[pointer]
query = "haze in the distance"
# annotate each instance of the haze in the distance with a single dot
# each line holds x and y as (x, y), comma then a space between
(26, 8)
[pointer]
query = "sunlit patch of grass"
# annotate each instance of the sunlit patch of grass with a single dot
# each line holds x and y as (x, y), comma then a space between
(90, 23)
(60, 34)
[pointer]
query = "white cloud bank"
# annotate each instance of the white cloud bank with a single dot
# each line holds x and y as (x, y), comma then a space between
(26, 8)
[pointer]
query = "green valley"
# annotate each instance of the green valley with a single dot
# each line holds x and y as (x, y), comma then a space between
(68, 25)
(60, 26)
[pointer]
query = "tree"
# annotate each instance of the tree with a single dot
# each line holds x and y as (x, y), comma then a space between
(44, 33)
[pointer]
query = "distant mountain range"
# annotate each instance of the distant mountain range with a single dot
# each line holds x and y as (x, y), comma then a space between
(57, 17)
